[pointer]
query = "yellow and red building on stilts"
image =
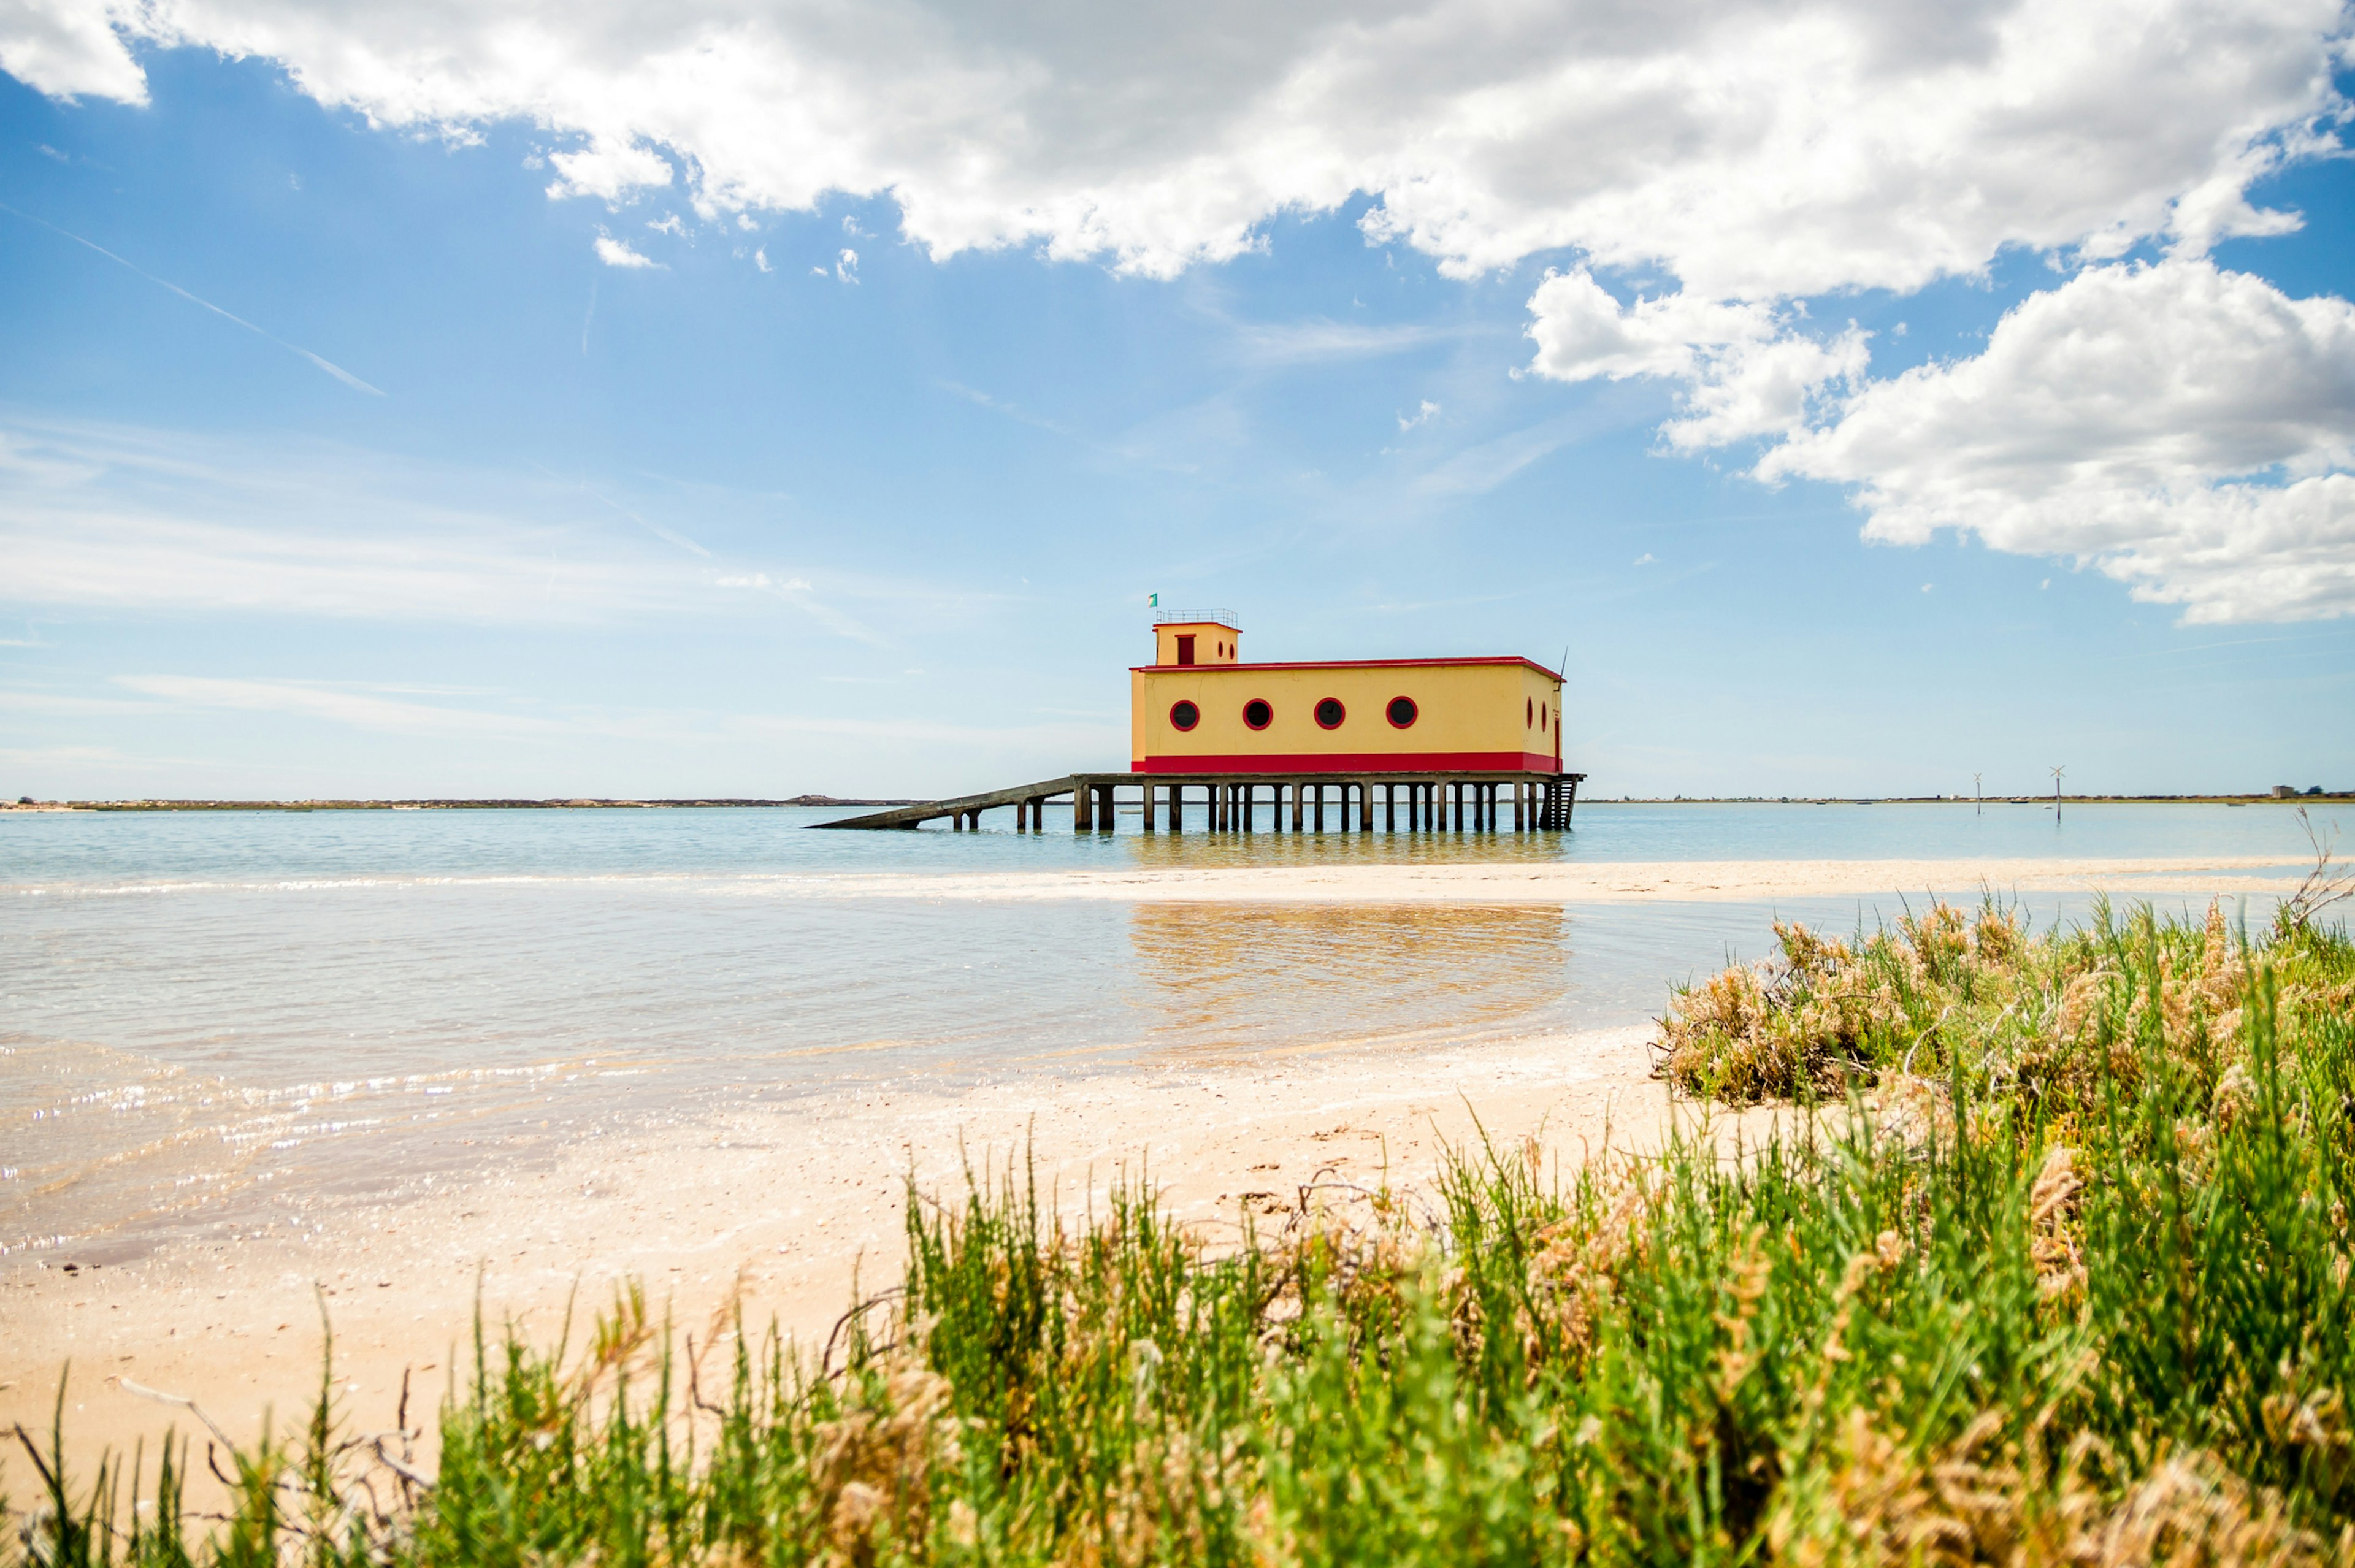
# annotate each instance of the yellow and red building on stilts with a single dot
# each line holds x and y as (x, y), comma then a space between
(1425, 744)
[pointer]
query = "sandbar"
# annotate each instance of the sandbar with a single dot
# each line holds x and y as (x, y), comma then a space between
(1509, 882)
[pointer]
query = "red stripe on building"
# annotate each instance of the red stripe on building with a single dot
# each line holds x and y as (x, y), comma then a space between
(1239, 667)
(1354, 762)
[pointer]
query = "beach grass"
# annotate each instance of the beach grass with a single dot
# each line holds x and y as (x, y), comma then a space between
(2047, 1262)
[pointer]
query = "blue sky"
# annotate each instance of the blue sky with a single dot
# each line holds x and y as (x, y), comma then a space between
(757, 517)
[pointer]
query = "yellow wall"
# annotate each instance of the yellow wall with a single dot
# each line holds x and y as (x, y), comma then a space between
(1463, 710)
(1209, 638)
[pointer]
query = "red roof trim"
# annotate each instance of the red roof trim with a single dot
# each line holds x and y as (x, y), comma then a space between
(1350, 663)
(1351, 763)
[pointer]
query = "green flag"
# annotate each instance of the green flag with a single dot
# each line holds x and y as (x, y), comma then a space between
(1153, 601)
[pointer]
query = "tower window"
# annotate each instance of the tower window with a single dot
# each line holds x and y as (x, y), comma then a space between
(1528, 711)
(1185, 715)
(1329, 712)
(1401, 713)
(1184, 647)
(1258, 714)
(1541, 715)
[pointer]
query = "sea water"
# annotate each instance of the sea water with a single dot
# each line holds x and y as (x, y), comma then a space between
(198, 1007)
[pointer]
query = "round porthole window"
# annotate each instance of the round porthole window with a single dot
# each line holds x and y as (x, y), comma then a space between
(1258, 714)
(1185, 715)
(1401, 713)
(1528, 711)
(1541, 716)
(1329, 713)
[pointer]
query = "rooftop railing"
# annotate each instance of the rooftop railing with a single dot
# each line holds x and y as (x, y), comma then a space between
(1190, 618)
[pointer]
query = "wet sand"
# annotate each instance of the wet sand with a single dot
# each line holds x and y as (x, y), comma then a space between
(789, 1206)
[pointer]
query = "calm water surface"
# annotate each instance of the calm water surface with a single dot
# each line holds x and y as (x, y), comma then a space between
(204, 1012)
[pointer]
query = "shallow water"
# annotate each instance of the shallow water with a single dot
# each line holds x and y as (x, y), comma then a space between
(130, 850)
(199, 1011)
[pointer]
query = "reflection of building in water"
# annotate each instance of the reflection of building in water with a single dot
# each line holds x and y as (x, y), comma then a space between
(1222, 977)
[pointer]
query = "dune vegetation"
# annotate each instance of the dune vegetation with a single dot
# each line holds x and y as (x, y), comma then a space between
(2047, 1262)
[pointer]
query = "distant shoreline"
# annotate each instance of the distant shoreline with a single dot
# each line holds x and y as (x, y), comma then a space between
(583, 803)
(575, 804)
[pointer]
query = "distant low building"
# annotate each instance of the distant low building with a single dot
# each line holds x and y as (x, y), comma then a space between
(2283, 791)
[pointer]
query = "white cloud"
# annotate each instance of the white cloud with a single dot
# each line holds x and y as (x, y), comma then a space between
(1422, 415)
(367, 707)
(1749, 374)
(760, 260)
(617, 253)
(339, 704)
(1305, 342)
(126, 519)
(2186, 429)
(610, 169)
(845, 266)
(68, 50)
(1754, 150)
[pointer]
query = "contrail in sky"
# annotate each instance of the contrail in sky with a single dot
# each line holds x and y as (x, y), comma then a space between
(332, 368)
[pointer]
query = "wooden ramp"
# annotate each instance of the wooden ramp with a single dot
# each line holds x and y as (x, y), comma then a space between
(965, 809)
